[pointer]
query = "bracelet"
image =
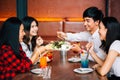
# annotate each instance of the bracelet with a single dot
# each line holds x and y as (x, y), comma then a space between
(81, 51)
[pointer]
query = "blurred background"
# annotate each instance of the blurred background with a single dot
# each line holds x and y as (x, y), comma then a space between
(54, 15)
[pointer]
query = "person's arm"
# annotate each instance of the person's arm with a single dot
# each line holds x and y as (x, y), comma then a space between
(97, 56)
(105, 68)
(82, 36)
(93, 54)
(96, 53)
(39, 52)
(61, 35)
(39, 42)
(36, 53)
(75, 48)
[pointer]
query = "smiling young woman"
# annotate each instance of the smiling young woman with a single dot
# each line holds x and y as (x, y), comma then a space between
(109, 31)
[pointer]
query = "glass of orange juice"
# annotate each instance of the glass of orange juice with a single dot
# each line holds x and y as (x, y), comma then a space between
(43, 62)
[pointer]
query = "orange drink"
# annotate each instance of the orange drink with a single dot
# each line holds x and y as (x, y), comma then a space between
(43, 62)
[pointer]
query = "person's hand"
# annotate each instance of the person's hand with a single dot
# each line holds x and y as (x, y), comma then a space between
(39, 41)
(76, 48)
(61, 35)
(39, 50)
(48, 47)
(90, 47)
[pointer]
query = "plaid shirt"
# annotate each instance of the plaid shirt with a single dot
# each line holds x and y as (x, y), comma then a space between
(10, 65)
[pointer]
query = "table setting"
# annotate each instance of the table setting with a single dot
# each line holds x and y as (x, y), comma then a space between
(62, 66)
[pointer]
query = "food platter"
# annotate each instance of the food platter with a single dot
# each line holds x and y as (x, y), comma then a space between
(60, 45)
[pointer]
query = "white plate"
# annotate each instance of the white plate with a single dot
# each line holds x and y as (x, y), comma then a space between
(66, 46)
(73, 59)
(37, 71)
(83, 70)
(60, 49)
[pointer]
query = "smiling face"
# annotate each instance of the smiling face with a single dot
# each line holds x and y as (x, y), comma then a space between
(90, 24)
(102, 31)
(33, 29)
(21, 33)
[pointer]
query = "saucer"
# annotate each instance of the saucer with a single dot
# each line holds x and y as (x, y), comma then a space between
(83, 70)
(74, 59)
(36, 71)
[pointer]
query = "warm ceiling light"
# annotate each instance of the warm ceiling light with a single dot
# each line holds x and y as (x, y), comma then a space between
(49, 19)
(3, 19)
(75, 19)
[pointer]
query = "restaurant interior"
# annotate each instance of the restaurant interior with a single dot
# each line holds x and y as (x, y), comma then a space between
(53, 16)
(56, 15)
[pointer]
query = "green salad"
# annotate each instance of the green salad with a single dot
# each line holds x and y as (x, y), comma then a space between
(57, 44)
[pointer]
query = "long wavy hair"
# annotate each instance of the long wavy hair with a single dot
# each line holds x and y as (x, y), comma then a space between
(10, 34)
(27, 25)
(113, 32)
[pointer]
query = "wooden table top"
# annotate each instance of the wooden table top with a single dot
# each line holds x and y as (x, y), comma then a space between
(62, 70)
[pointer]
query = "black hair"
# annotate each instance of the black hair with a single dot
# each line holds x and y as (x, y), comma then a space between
(93, 12)
(10, 34)
(113, 32)
(27, 25)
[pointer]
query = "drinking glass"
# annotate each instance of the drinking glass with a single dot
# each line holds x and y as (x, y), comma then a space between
(63, 56)
(43, 62)
(76, 52)
(84, 60)
(47, 73)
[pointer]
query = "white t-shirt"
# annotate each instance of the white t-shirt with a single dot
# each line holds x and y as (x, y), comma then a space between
(116, 65)
(82, 36)
(26, 50)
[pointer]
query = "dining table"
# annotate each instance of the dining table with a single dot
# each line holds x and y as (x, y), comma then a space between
(62, 69)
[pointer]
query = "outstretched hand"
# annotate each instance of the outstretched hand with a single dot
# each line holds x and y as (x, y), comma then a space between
(61, 35)
(76, 48)
(39, 41)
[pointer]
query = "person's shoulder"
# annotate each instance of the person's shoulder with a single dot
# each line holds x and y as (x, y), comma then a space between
(116, 42)
(115, 46)
(96, 36)
(23, 44)
(5, 47)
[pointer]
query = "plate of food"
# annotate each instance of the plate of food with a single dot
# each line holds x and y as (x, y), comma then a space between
(83, 70)
(60, 45)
